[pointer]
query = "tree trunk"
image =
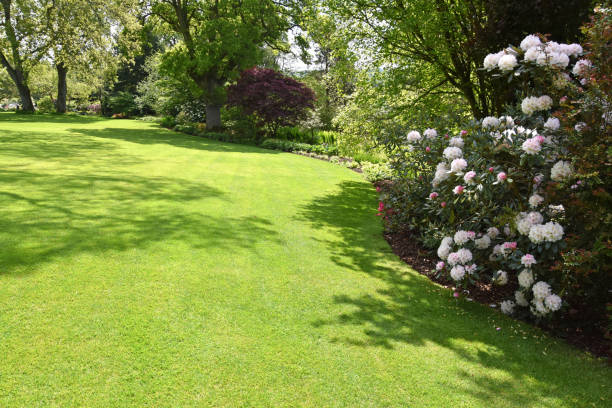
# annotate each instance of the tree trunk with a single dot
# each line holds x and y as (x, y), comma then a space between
(26, 98)
(213, 117)
(62, 88)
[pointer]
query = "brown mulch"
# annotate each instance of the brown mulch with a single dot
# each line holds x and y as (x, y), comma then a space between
(407, 247)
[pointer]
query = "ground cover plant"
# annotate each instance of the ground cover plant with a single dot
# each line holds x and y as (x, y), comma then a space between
(145, 267)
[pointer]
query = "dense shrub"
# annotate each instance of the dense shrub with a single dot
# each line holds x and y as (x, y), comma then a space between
(123, 103)
(168, 122)
(374, 172)
(274, 99)
(504, 200)
(45, 104)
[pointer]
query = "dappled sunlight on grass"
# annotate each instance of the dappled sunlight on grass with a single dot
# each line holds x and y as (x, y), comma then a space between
(143, 267)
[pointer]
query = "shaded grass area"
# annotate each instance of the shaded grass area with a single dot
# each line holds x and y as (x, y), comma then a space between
(143, 267)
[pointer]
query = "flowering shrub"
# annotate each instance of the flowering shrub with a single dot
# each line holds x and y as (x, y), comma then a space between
(494, 198)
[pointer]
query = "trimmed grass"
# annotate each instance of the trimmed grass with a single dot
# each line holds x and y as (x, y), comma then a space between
(142, 267)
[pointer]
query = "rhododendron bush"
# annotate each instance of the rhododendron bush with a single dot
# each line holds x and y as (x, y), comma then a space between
(497, 199)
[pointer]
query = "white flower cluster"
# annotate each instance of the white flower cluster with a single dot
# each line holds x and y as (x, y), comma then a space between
(532, 104)
(544, 301)
(463, 237)
(493, 232)
(442, 173)
(552, 124)
(532, 145)
(549, 232)
(445, 248)
(483, 242)
(430, 133)
(490, 122)
(561, 171)
(582, 67)
(456, 142)
(535, 200)
(525, 278)
(526, 221)
(458, 165)
(550, 53)
(413, 136)
(451, 153)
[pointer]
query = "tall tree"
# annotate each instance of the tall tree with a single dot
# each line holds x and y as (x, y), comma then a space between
(83, 34)
(21, 42)
(219, 38)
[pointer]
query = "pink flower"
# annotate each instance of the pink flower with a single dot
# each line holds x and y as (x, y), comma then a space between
(464, 132)
(540, 139)
(428, 149)
(440, 265)
(501, 176)
(510, 245)
(433, 195)
(378, 189)
(471, 234)
(443, 204)
(458, 189)
(563, 99)
(528, 260)
(446, 136)
(491, 169)
(381, 206)
(456, 295)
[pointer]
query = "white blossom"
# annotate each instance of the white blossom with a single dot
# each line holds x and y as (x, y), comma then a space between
(535, 200)
(525, 278)
(520, 298)
(553, 302)
(541, 290)
(492, 232)
(430, 133)
(530, 41)
(507, 62)
(458, 165)
(491, 60)
(456, 142)
(490, 122)
(457, 272)
(560, 171)
(413, 136)
(452, 153)
(552, 124)
(582, 67)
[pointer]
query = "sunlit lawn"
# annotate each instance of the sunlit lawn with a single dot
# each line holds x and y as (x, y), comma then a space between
(142, 267)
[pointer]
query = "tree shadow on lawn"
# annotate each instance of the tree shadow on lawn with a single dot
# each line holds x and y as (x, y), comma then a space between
(45, 146)
(413, 311)
(46, 217)
(164, 136)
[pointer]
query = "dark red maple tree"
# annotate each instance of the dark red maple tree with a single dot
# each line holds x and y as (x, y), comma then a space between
(273, 98)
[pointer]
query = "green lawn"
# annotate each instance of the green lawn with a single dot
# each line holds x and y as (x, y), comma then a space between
(142, 267)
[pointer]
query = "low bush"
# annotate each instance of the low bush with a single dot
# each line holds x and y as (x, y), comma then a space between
(168, 122)
(374, 172)
(288, 146)
(45, 104)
